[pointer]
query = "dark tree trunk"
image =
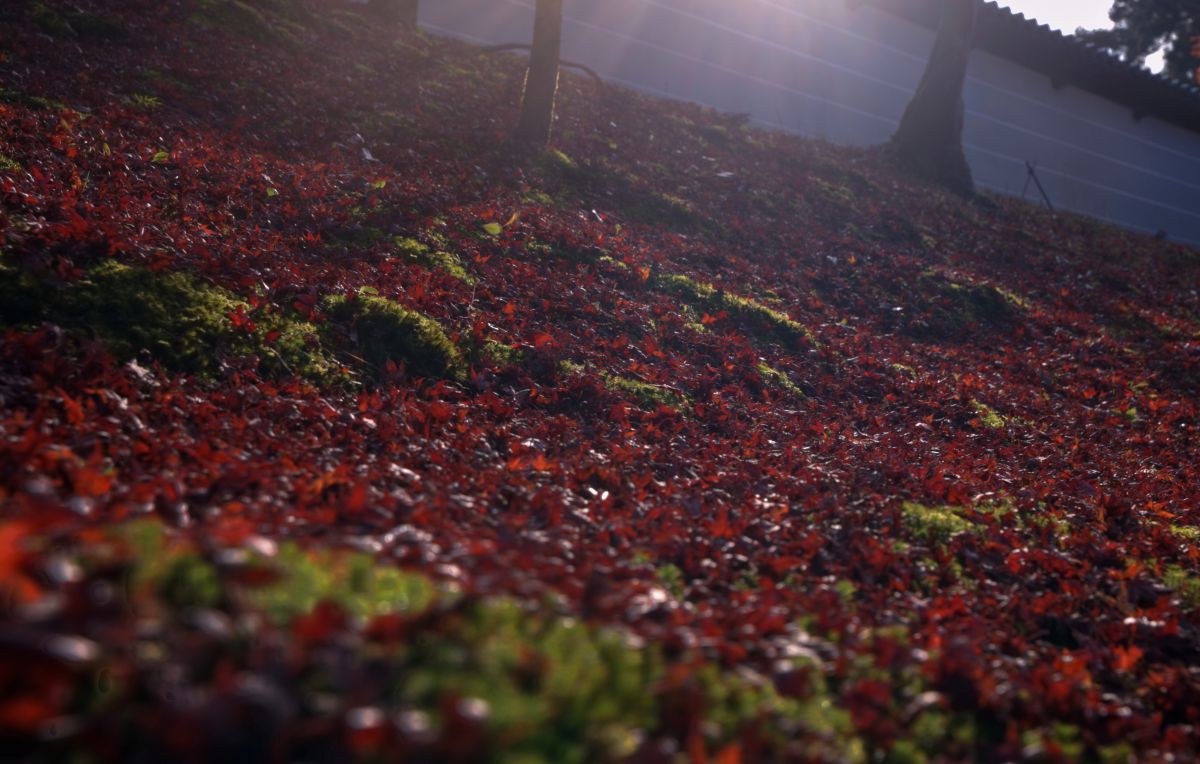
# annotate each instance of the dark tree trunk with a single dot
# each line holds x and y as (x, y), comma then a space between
(929, 139)
(541, 81)
(396, 12)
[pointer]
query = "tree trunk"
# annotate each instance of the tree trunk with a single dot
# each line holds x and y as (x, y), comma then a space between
(541, 80)
(396, 12)
(929, 139)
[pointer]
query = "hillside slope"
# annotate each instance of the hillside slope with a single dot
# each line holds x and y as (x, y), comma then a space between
(333, 427)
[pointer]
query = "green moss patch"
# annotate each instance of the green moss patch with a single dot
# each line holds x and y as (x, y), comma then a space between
(777, 378)
(143, 102)
(950, 310)
(501, 354)
(1185, 584)
(1127, 322)
(611, 262)
(17, 98)
(275, 23)
(540, 686)
(490, 353)
(934, 524)
(23, 298)
(538, 197)
(77, 24)
(645, 394)
(1189, 533)
(182, 321)
(940, 524)
(382, 331)
(751, 314)
(595, 183)
(415, 251)
(988, 416)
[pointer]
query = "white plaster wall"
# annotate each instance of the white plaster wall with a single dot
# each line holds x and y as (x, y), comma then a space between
(836, 70)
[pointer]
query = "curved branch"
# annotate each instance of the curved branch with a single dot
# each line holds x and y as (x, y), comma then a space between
(589, 71)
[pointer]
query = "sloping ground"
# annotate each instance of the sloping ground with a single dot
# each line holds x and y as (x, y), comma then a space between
(335, 428)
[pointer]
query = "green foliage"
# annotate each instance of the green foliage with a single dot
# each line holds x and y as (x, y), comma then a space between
(753, 315)
(385, 331)
(1142, 27)
(934, 524)
(8, 164)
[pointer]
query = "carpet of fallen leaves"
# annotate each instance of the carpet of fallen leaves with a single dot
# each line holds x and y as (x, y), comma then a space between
(761, 404)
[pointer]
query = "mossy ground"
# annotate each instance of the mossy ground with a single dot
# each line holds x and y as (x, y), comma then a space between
(777, 378)
(143, 102)
(278, 22)
(754, 316)
(502, 355)
(31, 101)
(988, 416)
(596, 184)
(644, 394)
(417, 252)
(1185, 584)
(934, 524)
(181, 321)
(546, 687)
(76, 24)
(1189, 533)
(953, 310)
(381, 331)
